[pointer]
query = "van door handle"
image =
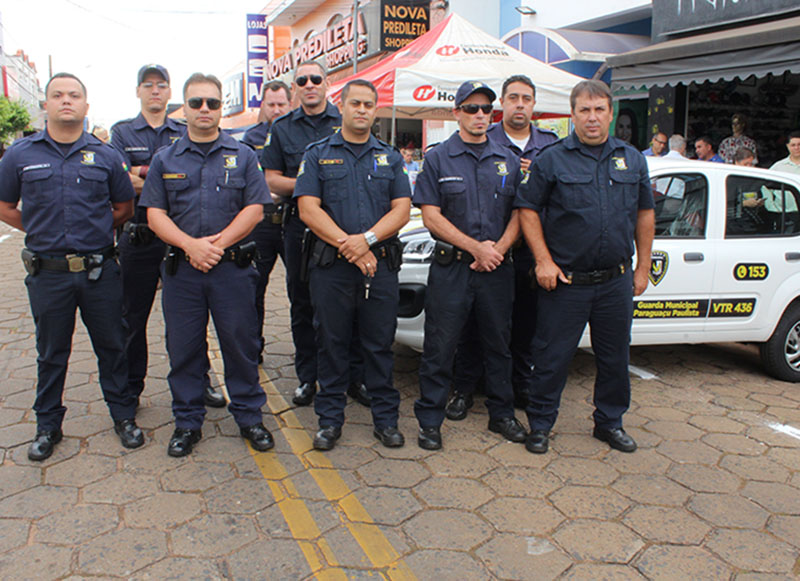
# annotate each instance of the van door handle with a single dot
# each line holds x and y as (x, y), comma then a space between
(791, 256)
(693, 257)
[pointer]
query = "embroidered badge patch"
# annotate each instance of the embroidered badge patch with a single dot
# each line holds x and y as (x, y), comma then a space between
(88, 157)
(619, 163)
(381, 159)
(231, 161)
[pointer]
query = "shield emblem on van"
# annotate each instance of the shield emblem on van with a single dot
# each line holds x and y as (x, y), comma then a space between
(659, 263)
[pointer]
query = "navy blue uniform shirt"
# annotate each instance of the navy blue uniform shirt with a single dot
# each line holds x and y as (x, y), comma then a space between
(591, 204)
(292, 133)
(256, 136)
(203, 193)
(356, 192)
(66, 199)
(475, 195)
(138, 142)
(536, 142)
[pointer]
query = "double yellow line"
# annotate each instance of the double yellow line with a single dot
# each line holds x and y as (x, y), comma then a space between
(304, 529)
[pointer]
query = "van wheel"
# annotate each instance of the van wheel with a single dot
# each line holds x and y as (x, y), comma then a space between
(781, 353)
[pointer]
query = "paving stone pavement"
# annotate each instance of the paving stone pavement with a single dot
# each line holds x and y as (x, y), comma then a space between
(712, 493)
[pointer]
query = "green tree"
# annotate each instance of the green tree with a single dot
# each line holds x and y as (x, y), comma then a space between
(14, 117)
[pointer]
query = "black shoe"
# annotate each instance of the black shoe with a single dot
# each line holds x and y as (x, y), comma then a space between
(129, 433)
(304, 394)
(537, 441)
(325, 438)
(258, 436)
(509, 428)
(390, 437)
(182, 441)
(358, 391)
(213, 399)
(430, 439)
(43, 445)
(458, 406)
(616, 438)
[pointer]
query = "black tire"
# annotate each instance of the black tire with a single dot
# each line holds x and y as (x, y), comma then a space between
(780, 355)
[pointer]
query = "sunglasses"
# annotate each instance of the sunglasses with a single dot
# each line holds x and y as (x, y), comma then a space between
(197, 102)
(315, 80)
(472, 108)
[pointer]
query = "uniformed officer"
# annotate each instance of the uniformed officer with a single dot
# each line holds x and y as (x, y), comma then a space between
(74, 190)
(268, 235)
(586, 201)
(353, 193)
(525, 140)
(141, 252)
(289, 136)
(466, 190)
(203, 194)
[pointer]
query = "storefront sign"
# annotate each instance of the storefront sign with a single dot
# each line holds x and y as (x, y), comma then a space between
(233, 95)
(257, 56)
(335, 44)
(670, 16)
(402, 21)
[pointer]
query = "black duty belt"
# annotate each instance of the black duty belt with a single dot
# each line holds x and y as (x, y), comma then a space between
(597, 276)
(74, 262)
(443, 251)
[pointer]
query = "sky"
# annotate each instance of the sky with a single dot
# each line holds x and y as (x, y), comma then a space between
(105, 42)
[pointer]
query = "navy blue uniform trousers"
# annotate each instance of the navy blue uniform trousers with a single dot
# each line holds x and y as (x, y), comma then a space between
(140, 273)
(302, 313)
(453, 292)
(338, 295)
(188, 296)
(562, 317)
(54, 298)
(469, 357)
(269, 241)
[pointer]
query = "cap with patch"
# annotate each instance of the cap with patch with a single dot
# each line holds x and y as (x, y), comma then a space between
(470, 88)
(157, 69)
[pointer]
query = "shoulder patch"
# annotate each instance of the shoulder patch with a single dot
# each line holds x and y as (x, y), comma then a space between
(301, 170)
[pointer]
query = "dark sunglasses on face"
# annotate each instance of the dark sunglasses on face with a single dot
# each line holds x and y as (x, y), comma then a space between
(315, 80)
(197, 102)
(472, 108)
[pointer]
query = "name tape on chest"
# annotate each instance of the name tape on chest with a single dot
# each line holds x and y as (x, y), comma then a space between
(446, 179)
(331, 161)
(36, 166)
(137, 148)
(173, 176)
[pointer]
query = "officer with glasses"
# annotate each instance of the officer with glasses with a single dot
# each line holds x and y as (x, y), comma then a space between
(312, 121)
(140, 251)
(466, 191)
(204, 194)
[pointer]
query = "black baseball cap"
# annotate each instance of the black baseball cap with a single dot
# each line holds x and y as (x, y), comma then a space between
(470, 88)
(152, 68)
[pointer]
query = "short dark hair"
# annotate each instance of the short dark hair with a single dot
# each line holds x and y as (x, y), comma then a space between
(793, 135)
(359, 83)
(198, 78)
(276, 86)
(313, 63)
(64, 76)
(742, 154)
(705, 139)
(524, 79)
(591, 88)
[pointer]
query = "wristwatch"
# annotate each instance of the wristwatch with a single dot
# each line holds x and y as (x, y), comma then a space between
(370, 237)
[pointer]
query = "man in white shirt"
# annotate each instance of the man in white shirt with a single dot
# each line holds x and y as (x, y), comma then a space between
(790, 164)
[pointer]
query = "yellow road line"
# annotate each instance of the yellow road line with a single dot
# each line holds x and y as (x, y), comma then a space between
(294, 510)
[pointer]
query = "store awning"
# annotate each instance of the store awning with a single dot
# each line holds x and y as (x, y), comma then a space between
(758, 49)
